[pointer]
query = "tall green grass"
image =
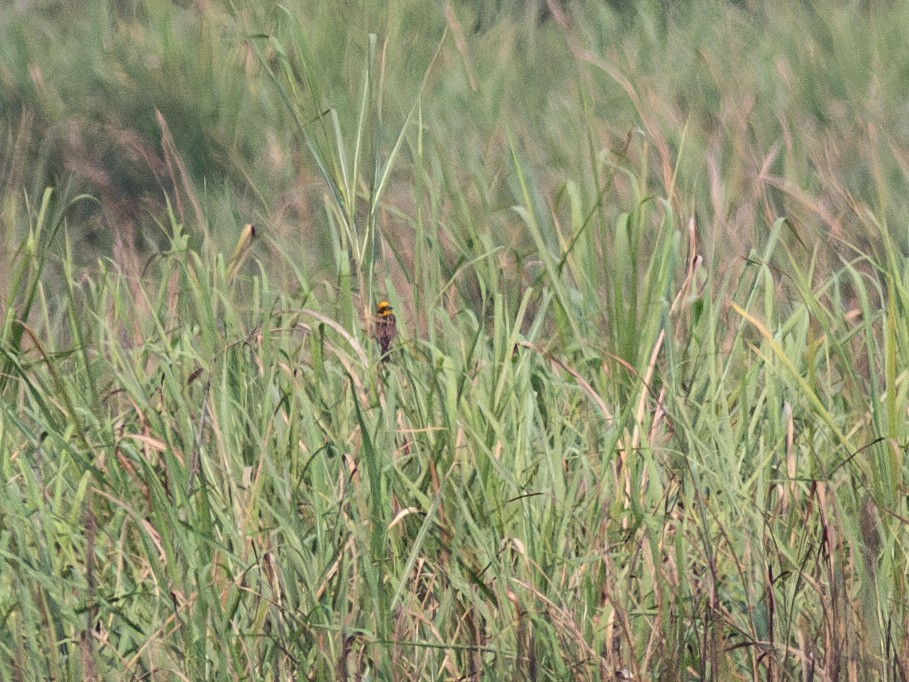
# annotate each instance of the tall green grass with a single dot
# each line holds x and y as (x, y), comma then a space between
(645, 416)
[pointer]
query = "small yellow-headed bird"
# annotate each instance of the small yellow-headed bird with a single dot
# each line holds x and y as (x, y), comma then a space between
(386, 327)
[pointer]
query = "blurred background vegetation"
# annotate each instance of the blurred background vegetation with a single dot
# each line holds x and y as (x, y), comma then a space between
(738, 112)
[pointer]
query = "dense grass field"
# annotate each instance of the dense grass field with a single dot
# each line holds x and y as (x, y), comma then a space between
(646, 415)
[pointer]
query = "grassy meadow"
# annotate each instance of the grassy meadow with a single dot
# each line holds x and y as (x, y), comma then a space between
(646, 414)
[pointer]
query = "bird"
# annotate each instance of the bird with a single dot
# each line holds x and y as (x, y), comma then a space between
(386, 327)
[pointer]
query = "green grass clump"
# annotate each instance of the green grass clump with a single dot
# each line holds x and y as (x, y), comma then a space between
(645, 414)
